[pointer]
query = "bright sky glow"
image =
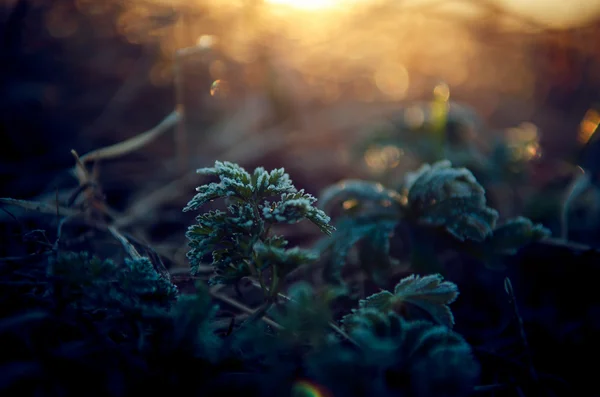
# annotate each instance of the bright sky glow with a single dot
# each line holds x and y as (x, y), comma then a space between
(554, 12)
(310, 4)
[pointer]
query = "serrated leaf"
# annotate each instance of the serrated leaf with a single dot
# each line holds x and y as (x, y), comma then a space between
(231, 237)
(370, 317)
(431, 294)
(226, 169)
(282, 259)
(382, 301)
(271, 183)
(439, 195)
(296, 206)
(515, 234)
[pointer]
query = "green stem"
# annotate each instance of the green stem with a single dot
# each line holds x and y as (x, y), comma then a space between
(257, 315)
(274, 289)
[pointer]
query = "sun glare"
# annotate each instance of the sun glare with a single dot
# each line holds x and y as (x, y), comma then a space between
(308, 4)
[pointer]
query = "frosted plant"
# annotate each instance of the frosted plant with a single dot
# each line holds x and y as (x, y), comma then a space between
(238, 240)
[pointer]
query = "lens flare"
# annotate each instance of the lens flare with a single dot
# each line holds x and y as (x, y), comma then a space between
(305, 388)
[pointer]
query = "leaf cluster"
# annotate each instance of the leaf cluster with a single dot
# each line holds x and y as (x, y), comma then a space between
(401, 356)
(436, 196)
(238, 240)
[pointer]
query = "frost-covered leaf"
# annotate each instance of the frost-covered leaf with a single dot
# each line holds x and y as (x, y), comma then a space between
(293, 207)
(226, 169)
(439, 195)
(272, 183)
(429, 293)
(382, 301)
(282, 259)
(227, 238)
(516, 233)
(234, 181)
(233, 239)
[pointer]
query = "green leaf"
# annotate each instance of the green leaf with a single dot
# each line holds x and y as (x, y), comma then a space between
(430, 293)
(515, 234)
(238, 239)
(439, 195)
(281, 259)
(382, 301)
(271, 183)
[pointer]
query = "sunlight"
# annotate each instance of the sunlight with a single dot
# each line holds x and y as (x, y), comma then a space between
(308, 4)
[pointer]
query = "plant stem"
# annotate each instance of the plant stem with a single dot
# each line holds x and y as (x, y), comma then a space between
(509, 290)
(333, 326)
(245, 309)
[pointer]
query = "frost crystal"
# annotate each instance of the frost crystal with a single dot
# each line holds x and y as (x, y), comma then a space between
(237, 241)
(439, 195)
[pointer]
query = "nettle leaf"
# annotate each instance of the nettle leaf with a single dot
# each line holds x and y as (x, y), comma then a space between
(429, 293)
(226, 169)
(238, 240)
(272, 183)
(293, 207)
(227, 237)
(439, 195)
(234, 181)
(283, 260)
(515, 234)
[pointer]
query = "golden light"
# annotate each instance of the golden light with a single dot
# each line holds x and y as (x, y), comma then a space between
(532, 151)
(392, 80)
(414, 117)
(308, 4)
(588, 125)
(350, 204)
(383, 158)
(441, 92)
(523, 133)
(206, 41)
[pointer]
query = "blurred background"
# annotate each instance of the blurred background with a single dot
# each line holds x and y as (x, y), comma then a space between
(328, 89)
